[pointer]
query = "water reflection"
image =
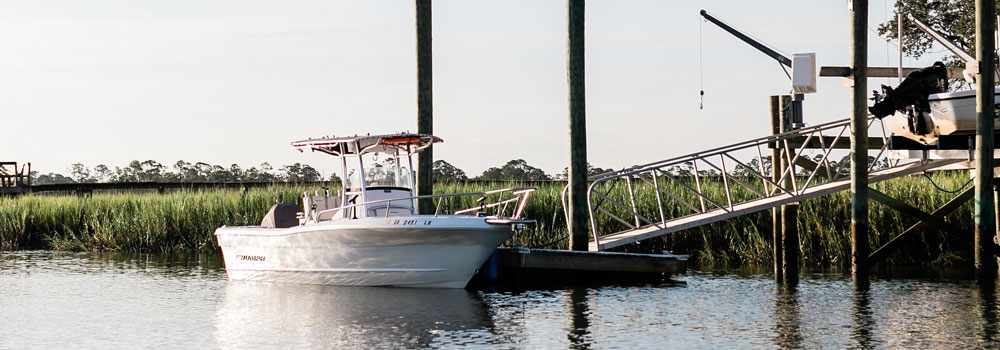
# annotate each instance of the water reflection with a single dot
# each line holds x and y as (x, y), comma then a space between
(788, 320)
(87, 300)
(579, 334)
(986, 298)
(309, 316)
(862, 316)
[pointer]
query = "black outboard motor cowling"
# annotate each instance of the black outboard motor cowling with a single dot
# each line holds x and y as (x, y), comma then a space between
(912, 91)
(282, 215)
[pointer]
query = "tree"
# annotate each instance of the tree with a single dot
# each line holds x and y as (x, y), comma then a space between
(136, 171)
(185, 172)
(514, 170)
(300, 173)
(102, 173)
(953, 18)
(754, 167)
(260, 175)
(80, 173)
(50, 178)
(444, 171)
(591, 171)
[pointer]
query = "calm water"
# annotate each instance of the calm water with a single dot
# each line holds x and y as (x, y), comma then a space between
(55, 300)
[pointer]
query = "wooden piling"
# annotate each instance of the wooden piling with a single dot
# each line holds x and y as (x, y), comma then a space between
(859, 143)
(789, 212)
(577, 213)
(776, 177)
(425, 104)
(790, 238)
(985, 263)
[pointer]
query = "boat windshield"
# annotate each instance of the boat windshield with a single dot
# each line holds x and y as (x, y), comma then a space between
(380, 170)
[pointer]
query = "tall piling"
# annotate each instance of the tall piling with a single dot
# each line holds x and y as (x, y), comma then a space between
(859, 143)
(425, 104)
(577, 212)
(790, 237)
(776, 178)
(789, 212)
(985, 263)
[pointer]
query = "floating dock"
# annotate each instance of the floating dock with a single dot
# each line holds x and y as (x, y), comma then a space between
(519, 267)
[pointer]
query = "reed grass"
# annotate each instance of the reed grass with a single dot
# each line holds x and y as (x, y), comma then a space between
(185, 221)
(142, 222)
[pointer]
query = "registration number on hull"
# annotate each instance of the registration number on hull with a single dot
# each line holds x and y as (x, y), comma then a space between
(242, 257)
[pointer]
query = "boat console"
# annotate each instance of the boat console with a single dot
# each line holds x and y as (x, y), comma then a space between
(377, 175)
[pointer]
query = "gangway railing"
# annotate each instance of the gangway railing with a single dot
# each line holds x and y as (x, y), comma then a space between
(714, 185)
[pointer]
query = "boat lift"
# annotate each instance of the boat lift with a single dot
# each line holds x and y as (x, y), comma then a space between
(711, 191)
(952, 114)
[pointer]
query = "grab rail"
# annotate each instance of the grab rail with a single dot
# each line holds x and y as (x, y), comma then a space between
(520, 196)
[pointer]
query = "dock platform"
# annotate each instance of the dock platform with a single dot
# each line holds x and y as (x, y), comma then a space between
(548, 267)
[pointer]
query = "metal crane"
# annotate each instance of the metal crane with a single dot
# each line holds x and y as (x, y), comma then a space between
(756, 44)
(803, 79)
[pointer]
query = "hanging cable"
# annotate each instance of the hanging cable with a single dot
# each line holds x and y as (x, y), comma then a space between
(784, 69)
(944, 190)
(885, 15)
(701, 66)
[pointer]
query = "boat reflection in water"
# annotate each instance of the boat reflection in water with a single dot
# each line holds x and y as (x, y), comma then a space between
(271, 315)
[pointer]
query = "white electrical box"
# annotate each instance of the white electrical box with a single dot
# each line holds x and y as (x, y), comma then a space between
(804, 73)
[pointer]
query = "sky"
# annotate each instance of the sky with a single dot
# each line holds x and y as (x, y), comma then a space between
(234, 82)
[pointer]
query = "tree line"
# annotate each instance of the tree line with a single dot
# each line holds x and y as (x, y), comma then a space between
(182, 171)
(185, 172)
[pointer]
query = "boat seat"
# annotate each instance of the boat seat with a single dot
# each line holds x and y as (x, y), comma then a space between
(319, 207)
(327, 214)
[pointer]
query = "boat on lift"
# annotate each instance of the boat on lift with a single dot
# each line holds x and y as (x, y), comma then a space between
(370, 233)
(921, 108)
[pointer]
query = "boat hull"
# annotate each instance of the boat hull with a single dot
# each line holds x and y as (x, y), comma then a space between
(413, 251)
(951, 113)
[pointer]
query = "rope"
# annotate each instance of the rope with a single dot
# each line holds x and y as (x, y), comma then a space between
(944, 190)
(551, 243)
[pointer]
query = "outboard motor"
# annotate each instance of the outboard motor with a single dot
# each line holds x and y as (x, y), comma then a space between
(910, 96)
(282, 215)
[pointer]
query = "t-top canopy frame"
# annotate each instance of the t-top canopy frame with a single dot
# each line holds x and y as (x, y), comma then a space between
(410, 143)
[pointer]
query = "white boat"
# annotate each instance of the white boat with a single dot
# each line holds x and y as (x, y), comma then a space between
(370, 234)
(950, 113)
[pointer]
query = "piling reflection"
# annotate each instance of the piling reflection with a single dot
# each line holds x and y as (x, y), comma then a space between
(787, 318)
(985, 297)
(309, 316)
(862, 316)
(579, 334)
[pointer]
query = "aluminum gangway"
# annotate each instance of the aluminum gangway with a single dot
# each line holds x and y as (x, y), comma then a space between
(715, 185)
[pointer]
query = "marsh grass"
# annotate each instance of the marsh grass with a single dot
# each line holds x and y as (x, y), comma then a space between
(145, 222)
(185, 220)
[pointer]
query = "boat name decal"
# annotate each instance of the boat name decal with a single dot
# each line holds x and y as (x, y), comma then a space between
(408, 222)
(251, 257)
